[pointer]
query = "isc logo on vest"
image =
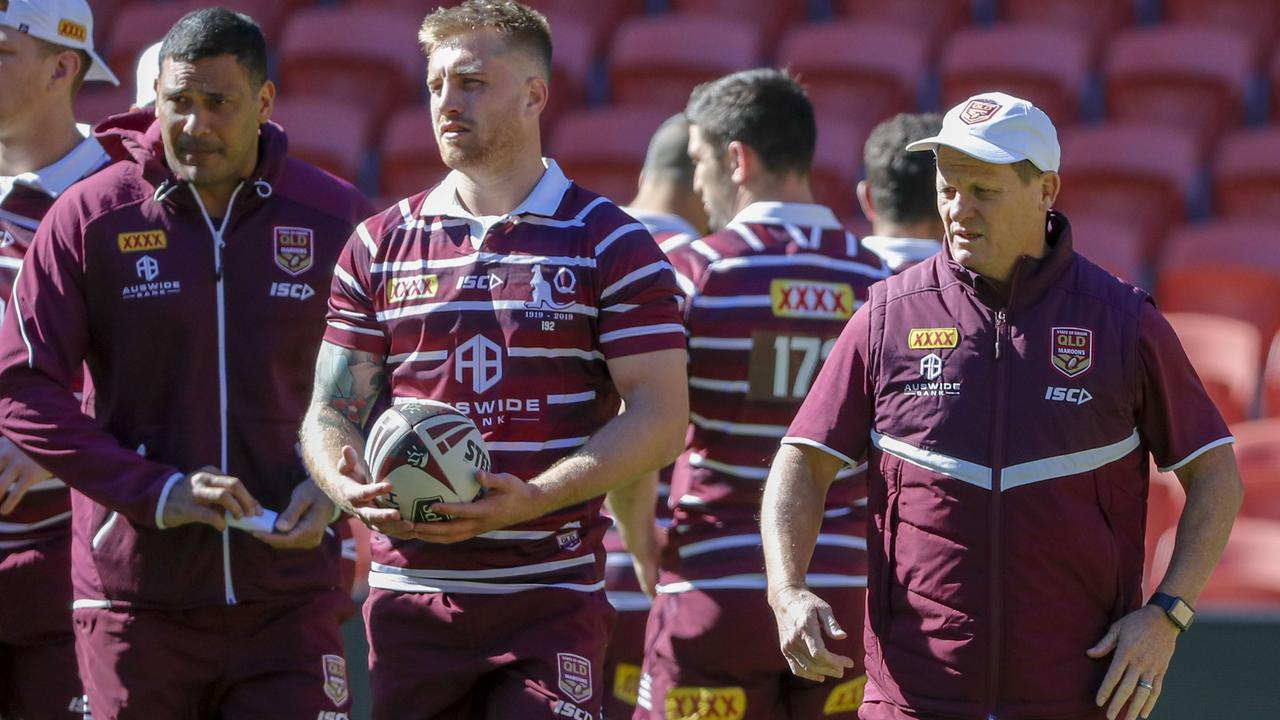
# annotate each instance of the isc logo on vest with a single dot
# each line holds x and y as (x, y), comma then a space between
(296, 291)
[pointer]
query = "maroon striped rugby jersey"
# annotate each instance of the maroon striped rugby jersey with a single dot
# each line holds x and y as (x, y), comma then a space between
(510, 319)
(45, 511)
(766, 298)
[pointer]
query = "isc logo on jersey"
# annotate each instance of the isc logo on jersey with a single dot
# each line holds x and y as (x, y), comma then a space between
(414, 287)
(702, 703)
(811, 299)
(296, 291)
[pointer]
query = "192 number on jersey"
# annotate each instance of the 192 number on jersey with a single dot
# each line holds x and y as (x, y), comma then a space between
(782, 367)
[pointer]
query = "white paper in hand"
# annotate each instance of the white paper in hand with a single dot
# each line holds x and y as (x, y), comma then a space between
(266, 522)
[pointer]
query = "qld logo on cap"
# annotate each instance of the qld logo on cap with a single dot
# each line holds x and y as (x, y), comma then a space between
(979, 110)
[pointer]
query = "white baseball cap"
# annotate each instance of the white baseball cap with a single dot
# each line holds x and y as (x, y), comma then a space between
(998, 128)
(67, 23)
(148, 71)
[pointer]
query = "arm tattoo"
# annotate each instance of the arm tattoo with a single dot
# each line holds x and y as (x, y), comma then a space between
(348, 381)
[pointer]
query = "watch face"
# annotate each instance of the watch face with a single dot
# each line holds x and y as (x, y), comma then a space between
(1182, 614)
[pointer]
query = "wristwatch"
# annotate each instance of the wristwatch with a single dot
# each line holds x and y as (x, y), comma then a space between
(1178, 611)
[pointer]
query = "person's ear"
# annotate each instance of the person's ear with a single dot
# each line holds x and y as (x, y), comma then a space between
(741, 159)
(266, 101)
(863, 191)
(539, 95)
(66, 65)
(1050, 185)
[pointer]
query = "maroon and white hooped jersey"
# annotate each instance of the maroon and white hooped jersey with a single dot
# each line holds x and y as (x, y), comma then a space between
(510, 319)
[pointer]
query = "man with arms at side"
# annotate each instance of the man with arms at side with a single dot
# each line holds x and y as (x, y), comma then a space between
(184, 275)
(536, 306)
(1006, 394)
(46, 53)
(897, 196)
(765, 298)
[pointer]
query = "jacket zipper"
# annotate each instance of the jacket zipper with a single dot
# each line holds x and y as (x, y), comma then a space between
(997, 462)
(218, 245)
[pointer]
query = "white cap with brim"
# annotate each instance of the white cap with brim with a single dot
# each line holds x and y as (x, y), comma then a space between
(1000, 129)
(148, 71)
(67, 23)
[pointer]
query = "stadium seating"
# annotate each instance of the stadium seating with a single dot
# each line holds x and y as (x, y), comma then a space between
(135, 27)
(1257, 449)
(570, 64)
(328, 133)
(1140, 175)
(1046, 65)
(1183, 76)
(1271, 381)
(1246, 174)
(410, 159)
(1259, 18)
(1275, 87)
(863, 71)
(837, 163)
(1114, 246)
(359, 55)
(1096, 20)
(657, 60)
(1229, 267)
(97, 101)
(1247, 577)
(603, 150)
(774, 16)
(1226, 354)
(603, 18)
(933, 18)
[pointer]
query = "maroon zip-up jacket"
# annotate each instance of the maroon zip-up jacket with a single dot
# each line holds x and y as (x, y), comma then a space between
(1008, 443)
(200, 335)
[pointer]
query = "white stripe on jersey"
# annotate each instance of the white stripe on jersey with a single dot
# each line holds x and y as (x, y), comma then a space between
(704, 250)
(642, 330)
(729, 542)
(11, 263)
(821, 261)
(745, 472)
(628, 600)
(475, 306)
(9, 528)
(480, 258)
(727, 386)
(577, 221)
(719, 343)
(419, 356)
(489, 574)
(352, 314)
(687, 286)
(350, 282)
(406, 212)
(756, 581)
(554, 353)
(850, 245)
(571, 398)
(724, 426)
(735, 301)
(404, 584)
(363, 233)
(747, 236)
(647, 270)
(558, 444)
(675, 241)
(620, 232)
(20, 220)
(619, 308)
(348, 327)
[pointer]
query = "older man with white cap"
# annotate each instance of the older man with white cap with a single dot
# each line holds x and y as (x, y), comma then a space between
(46, 53)
(1005, 395)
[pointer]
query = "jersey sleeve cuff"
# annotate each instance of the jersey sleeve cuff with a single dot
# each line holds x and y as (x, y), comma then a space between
(1197, 453)
(797, 440)
(164, 498)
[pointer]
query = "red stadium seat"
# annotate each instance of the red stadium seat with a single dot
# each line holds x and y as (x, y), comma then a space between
(1226, 354)
(1140, 175)
(574, 53)
(327, 133)
(139, 24)
(358, 55)
(1247, 576)
(863, 71)
(1165, 498)
(1229, 268)
(1046, 65)
(774, 16)
(1259, 18)
(1114, 246)
(1096, 20)
(1186, 77)
(657, 61)
(1246, 174)
(932, 18)
(1271, 381)
(1275, 87)
(604, 17)
(1257, 450)
(837, 163)
(603, 150)
(97, 101)
(410, 157)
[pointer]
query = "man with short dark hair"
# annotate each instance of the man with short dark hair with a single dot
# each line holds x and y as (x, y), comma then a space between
(46, 52)
(666, 202)
(1006, 396)
(185, 277)
(765, 297)
(540, 306)
(897, 196)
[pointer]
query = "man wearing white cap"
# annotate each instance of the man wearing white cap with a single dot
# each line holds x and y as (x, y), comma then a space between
(1005, 395)
(46, 52)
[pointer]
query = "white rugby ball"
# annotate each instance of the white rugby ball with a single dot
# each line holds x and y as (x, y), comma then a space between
(429, 452)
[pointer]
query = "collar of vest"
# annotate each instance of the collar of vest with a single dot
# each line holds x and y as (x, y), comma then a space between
(1031, 276)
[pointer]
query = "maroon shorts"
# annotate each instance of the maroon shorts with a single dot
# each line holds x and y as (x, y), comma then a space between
(714, 654)
(622, 664)
(38, 677)
(530, 655)
(277, 660)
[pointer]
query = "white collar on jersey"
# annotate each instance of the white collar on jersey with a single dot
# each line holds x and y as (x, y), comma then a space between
(896, 251)
(544, 200)
(659, 222)
(785, 213)
(53, 180)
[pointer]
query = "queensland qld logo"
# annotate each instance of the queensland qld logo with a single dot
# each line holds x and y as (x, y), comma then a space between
(295, 249)
(933, 338)
(810, 299)
(413, 287)
(979, 110)
(335, 679)
(575, 676)
(1072, 350)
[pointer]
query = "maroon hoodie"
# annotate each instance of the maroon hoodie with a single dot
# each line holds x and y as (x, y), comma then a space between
(200, 336)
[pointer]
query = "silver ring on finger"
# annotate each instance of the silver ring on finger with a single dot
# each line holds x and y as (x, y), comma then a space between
(1147, 685)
